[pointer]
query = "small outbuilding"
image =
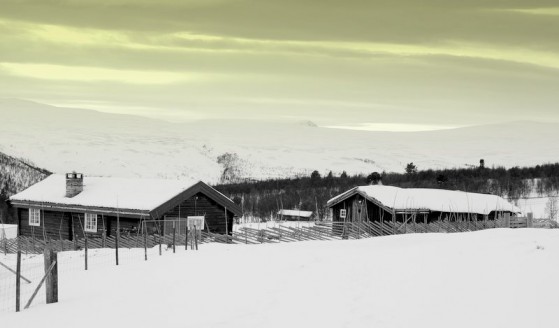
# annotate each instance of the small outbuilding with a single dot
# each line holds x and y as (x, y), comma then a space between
(295, 215)
(388, 203)
(71, 205)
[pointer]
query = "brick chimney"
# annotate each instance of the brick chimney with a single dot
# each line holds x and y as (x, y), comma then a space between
(74, 184)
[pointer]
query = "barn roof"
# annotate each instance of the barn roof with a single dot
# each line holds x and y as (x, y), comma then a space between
(125, 195)
(436, 200)
(303, 214)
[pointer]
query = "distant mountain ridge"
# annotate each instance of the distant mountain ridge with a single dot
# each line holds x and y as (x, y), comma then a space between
(96, 143)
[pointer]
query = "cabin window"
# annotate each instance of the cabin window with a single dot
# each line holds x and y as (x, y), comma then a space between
(343, 213)
(90, 222)
(35, 217)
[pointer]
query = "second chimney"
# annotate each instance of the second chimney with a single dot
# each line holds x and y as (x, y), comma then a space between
(74, 184)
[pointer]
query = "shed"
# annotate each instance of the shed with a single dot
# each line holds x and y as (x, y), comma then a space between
(66, 206)
(295, 215)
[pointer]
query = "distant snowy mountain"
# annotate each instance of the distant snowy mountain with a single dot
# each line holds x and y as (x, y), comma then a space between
(62, 139)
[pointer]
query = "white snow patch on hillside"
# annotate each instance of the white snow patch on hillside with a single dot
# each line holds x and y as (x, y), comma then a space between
(492, 278)
(100, 144)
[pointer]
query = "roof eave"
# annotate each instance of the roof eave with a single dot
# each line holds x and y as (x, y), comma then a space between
(79, 208)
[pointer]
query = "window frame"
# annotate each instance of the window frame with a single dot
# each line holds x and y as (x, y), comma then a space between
(90, 222)
(343, 213)
(34, 217)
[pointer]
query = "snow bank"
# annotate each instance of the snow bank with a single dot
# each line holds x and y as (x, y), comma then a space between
(492, 278)
(8, 231)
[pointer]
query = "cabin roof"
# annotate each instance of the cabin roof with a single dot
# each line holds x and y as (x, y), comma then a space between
(139, 196)
(435, 200)
(303, 214)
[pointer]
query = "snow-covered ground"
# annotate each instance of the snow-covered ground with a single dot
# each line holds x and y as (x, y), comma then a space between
(8, 231)
(492, 278)
(273, 224)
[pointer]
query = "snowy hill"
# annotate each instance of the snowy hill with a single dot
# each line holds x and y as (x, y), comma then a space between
(62, 139)
(491, 278)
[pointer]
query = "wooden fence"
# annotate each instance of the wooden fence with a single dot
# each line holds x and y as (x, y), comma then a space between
(275, 234)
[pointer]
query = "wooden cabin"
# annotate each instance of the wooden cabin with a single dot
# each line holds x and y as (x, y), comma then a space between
(71, 205)
(386, 203)
(295, 215)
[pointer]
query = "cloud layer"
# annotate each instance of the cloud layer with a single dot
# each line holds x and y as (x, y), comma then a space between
(338, 63)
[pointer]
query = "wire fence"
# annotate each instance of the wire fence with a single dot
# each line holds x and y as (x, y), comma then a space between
(94, 253)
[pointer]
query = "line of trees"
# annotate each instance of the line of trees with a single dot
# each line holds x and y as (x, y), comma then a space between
(15, 175)
(264, 198)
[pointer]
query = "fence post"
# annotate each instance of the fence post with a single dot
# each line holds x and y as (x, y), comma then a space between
(85, 244)
(145, 241)
(18, 279)
(226, 227)
(174, 235)
(196, 237)
(529, 220)
(186, 238)
(51, 282)
(5, 245)
(117, 243)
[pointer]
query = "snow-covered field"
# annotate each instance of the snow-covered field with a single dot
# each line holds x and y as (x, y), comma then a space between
(97, 143)
(492, 278)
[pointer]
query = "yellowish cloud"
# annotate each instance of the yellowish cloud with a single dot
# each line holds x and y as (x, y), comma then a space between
(190, 42)
(539, 11)
(393, 127)
(91, 74)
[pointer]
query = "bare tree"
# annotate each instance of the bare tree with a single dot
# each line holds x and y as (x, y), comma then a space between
(551, 208)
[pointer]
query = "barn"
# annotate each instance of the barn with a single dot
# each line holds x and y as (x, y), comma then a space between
(72, 205)
(378, 203)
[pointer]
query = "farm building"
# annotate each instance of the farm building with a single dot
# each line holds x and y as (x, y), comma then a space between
(386, 203)
(71, 205)
(294, 215)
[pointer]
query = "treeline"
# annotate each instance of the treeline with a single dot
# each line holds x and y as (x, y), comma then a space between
(264, 198)
(15, 176)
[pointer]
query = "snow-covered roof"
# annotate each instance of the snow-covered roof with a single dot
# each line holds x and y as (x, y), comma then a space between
(438, 200)
(304, 214)
(104, 192)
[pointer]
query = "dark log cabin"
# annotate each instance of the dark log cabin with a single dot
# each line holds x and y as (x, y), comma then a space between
(380, 203)
(71, 206)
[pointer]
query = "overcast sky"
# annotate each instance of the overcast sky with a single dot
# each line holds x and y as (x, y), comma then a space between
(388, 63)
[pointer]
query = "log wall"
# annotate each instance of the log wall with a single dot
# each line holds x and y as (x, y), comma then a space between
(201, 204)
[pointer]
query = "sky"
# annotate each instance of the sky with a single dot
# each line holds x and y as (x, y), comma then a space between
(364, 64)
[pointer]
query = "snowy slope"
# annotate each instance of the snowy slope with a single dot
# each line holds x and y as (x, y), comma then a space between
(492, 278)
(97, 143)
